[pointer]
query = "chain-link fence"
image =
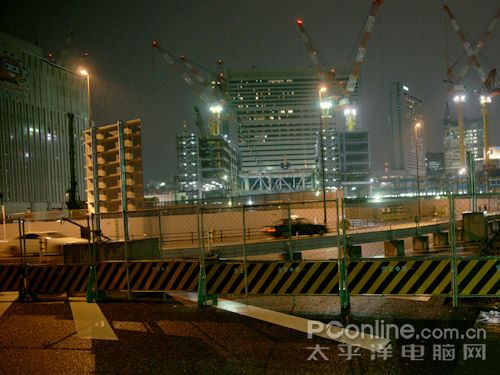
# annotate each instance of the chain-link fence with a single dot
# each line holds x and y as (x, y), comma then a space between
(378, 227)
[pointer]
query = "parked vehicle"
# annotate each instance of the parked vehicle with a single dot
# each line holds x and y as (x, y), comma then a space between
(38, 243)
(298, 225)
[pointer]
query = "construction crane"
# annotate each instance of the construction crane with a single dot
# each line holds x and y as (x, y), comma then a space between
(209, 92)
(214, 94)
(340, 91)
(350, 112)
(178, 67)
(488, 81)
(327, 79)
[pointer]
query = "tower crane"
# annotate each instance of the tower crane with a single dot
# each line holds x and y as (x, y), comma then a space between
(358, 61)
(327, 79)
(488, 80)
(343, 92)
(178, 67)
(210, 93)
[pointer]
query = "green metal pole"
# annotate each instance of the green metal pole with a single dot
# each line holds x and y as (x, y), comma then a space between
(91, 292)
(123, 177)
(202, 288)
(344, 293)
(245, 261)
(290, 250)
(453, 225)
(160, 230)
(471, 170)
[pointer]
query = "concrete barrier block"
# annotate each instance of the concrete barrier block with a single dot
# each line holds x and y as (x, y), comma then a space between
(353, 252)
(295, 257)
(394, 248)
(475, 227)
(421, 243)
(440, 239)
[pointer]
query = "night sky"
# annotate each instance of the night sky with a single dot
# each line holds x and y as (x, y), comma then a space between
(410, 43)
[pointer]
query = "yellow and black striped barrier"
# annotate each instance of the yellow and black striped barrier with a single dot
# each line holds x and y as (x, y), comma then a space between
(478, 277)
(400, 277)
(10, 277)
(149, 276)
(58, 278)
(283, 278)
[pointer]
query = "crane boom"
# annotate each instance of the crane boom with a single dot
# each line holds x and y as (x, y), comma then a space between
(313, 54)
(196, 73)
(172, 61)
(479, 44)
(471, 53)
(360, 55)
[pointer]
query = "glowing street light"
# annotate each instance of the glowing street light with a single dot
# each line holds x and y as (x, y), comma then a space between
(459, 100)
(417, 127)
(216, 110)
(325, 106)
(93, 132)
(485, 100)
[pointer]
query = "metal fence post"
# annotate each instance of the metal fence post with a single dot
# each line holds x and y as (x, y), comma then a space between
(290, 250)
(123, 177)
(24, 287)
(160, 230)
(453, 226)
(245, 264)
(344, 293)
(202, 288)
(91, 292)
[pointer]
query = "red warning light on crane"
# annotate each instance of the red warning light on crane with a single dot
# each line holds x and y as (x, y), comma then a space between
(155, 44)
(299, 21)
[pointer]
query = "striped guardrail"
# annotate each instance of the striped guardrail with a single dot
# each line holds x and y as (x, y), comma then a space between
(149, 276)
(265, 278)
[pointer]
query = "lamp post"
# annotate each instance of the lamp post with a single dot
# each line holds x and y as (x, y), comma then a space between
(485, 100)
(93, 131)
(216, 110)
(459, 100)
(417, 126)
(350, 116)
(325, 107)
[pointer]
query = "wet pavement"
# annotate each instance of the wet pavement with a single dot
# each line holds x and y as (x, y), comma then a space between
(179, 337)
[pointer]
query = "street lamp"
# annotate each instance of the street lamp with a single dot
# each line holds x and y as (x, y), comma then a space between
(417, 126)
(325, 107)
(93, 130)
(350, 115)
(216, 110)
(485, 100)
(459, 100)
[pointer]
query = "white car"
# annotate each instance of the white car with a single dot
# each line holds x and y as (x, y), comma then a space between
(38, 243)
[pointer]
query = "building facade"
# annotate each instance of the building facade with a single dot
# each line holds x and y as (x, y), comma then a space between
(279, 119)
(36, 97)
(408, 143)
(119, 167)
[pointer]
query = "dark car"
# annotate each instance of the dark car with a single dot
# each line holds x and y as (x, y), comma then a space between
(298, 226)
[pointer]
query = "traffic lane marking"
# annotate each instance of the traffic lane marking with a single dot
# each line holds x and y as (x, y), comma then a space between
(6, 299)
(335, 333)
(90, 321)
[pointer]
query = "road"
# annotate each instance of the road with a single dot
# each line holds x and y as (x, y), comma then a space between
(175, 337)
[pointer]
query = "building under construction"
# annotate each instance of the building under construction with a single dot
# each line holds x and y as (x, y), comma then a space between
(116, 172)
(207, 166)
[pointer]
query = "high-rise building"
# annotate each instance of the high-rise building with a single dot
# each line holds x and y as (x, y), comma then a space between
(119, 167)
(279, 116)
(407, 143)
(36, 96)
